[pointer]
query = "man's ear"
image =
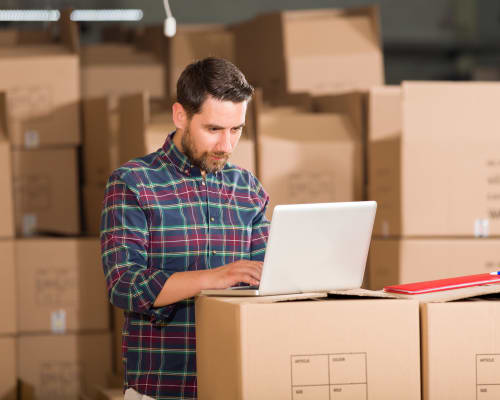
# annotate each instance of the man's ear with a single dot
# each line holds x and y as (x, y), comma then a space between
(179, 116)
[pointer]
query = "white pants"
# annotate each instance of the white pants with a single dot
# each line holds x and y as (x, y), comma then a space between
(132, 394)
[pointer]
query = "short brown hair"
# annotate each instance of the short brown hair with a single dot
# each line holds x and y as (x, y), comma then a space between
(214, 77)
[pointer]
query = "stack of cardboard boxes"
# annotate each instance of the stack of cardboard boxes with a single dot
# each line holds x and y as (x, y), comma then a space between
(54, 335)
(314, 94)
(434, 171)
(40, 117)
(63, 318)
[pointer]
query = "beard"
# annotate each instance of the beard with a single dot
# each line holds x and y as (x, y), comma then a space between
(205, 160)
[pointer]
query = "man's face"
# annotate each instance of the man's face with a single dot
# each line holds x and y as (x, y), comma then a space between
(211, 135)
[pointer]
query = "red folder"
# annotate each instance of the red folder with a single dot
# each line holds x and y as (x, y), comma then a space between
(444, 284)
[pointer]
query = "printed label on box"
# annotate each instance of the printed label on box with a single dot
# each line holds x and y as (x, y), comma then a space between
(56, 286)
(341, 376)
(59, 380)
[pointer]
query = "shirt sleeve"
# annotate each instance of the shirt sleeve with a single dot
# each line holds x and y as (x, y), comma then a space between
(132, 285)
(260, 225)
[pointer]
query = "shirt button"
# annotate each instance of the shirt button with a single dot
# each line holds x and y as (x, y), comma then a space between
(214, 252)
(212, 219)
(203, 183)
(186, 171)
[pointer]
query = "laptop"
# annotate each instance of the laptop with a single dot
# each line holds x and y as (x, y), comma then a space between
(313, 247)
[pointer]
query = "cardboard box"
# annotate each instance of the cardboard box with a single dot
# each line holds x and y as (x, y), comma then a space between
(100, 142)
(461, 347)
(7, 198)
(93, 196)
(308, 157)
(293, 51)
(394, 261)
(120, 69)
(63, 366)
(110, 394)
(46, 191)
(60, 286)
(8, 294)
(321, 349)
(42, 108)
(433, 177)
(118, 321)
(8, 376)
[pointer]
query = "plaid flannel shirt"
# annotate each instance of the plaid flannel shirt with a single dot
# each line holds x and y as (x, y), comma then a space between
(160, 217)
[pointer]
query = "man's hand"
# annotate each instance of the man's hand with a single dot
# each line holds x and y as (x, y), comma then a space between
(230, 274)
(183, 285)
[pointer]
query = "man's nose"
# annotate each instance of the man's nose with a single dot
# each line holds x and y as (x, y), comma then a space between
(225, 142)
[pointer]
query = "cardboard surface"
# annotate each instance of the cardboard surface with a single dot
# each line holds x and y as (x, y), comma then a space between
(46, 191)
(8, 370)
(119, 69)
(93, 196)
(118, 321)
(63, 366)
(308, 157)
(7, 198)
(435, 178)
(289, 52)
(110, 394)
(8, 295)
(395, 261)
(460, 350)
(42, 108)
(60, 286)
(114, 133)
(290, 350)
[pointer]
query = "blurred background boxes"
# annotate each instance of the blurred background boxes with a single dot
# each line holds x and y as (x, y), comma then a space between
(63, 366)
(438, 176)
(321, 153)
(8, 368)
(296, 51)
(119, 69)
(46, 191)
(7, 198)
(60, 286)
(40, 81)
(420, 259)
(8, 294)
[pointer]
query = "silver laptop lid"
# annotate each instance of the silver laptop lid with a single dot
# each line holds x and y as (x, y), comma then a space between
(317, 247)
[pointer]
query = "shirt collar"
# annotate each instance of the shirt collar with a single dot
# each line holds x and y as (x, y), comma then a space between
(174, 156)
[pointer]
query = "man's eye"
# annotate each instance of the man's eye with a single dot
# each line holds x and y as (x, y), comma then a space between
(237, 130)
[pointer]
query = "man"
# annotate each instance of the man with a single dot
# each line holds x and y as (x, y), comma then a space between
(180, 220)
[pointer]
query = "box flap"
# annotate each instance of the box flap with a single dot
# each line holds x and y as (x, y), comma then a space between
(364, 293)
(358, 28)
(436, 297)
(272, 299)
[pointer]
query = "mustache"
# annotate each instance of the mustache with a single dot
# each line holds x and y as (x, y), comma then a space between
(220, 154)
